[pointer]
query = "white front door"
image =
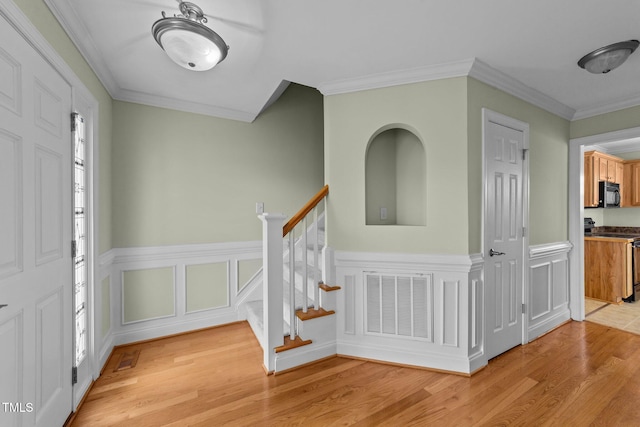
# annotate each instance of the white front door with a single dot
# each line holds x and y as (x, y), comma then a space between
(35, 237)
(504, 144)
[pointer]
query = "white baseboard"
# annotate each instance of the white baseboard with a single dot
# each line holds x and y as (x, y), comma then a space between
(144, 331)
(302, 355)
(402, 356)
(548, 324)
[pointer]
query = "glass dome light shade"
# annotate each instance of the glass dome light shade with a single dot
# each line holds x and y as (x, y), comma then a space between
(608, 58)
(189, 44)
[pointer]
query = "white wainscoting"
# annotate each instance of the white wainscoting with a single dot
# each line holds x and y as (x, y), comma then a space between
(448, 335)
(548, 300)
(103, 333)
(453, 307)
(422, 310)
(114, 263)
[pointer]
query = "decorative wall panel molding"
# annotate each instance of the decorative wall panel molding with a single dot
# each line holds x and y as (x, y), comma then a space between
(419, 309)
(116, 262)
(548, 298)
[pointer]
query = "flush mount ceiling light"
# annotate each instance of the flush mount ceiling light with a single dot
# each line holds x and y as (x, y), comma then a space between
(187, 41)
(607, 58)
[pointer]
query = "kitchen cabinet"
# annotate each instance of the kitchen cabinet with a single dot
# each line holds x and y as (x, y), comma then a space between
(591, 179)
(631, 193)
(600, 167)
(608, 268)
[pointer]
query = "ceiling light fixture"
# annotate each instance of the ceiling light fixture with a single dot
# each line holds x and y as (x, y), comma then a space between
(608, 58)
(187, 41)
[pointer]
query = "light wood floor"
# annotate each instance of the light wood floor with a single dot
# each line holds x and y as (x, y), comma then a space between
(625, 316)
(579, 374)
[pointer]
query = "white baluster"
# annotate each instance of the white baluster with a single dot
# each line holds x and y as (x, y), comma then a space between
(316, 281)
(305, 266)
(292, 285)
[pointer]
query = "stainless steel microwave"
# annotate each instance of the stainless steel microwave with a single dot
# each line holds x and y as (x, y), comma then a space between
(609, 195)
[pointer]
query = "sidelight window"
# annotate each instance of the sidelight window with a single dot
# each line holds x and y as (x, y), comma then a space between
(80, 239)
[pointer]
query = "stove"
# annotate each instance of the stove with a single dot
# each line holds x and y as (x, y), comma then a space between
(589, 223)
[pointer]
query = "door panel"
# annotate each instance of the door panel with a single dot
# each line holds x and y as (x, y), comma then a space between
(35, 256)
(11, 370)
(48, 195)
(11, 204)
(503, 236)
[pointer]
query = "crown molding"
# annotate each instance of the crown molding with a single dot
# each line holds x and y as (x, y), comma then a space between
(470, 67)
(486, 74)
(81, 38)
(396, 78)
(608, 108)
(186, 106)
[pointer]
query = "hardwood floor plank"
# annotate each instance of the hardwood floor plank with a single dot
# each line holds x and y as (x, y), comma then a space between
(580, 374)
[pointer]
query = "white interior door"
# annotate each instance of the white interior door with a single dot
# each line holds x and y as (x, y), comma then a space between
(503, 234)
(35, 244)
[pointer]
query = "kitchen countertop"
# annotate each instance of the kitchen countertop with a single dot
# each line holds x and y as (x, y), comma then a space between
(614, 234)
(611, 237)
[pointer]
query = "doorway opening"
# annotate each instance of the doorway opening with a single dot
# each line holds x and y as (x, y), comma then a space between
(618, 141)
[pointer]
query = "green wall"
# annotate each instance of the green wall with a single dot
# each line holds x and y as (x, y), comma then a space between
(616, 120)
(436, 113)
(39, 14)
(446, 115)
(548, 164)
(181, 178)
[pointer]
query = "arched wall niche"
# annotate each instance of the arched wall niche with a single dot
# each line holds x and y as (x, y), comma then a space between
(395, 177)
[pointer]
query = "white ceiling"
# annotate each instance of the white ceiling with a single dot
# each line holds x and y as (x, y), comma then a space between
(528, 48)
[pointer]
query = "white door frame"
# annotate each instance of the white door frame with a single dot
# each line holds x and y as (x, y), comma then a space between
(576, 210)
(492, 116)
(82, 101)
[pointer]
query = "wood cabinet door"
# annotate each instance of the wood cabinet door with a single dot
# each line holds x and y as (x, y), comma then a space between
(603, 169)
(619, 175)
(634, 187)
(606, 270)
(588, 181)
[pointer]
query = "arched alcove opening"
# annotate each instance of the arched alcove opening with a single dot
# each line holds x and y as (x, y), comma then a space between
(395, 179)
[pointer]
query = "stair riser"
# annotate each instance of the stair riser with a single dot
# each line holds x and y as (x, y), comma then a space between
(321, 329)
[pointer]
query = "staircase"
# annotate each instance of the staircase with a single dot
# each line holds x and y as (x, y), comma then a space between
(306, 320)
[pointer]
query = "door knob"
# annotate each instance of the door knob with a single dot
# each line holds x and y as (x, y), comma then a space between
(3, 305)
(492, 252)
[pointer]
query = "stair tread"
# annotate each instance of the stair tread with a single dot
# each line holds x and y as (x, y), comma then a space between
(313, 313)
(291, 344)
(328, 288)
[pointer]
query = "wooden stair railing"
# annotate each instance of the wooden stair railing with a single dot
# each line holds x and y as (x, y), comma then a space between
(304, 211)
(272, 258)
(288, 230)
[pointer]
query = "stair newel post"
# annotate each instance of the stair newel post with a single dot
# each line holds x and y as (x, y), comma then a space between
(316, 281)
(305, 266)
(292, 286)
(272, 250)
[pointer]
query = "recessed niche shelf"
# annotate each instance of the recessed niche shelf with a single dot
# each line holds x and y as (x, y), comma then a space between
(395, 178)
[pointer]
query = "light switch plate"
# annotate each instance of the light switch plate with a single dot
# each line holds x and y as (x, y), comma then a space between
(259, 208)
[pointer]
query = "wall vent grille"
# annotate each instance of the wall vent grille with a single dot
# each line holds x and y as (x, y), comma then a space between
(399, 305)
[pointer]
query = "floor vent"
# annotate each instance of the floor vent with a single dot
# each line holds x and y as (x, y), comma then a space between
(127, 360)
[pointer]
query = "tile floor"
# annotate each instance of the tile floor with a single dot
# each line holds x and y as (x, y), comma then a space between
(625, 316)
